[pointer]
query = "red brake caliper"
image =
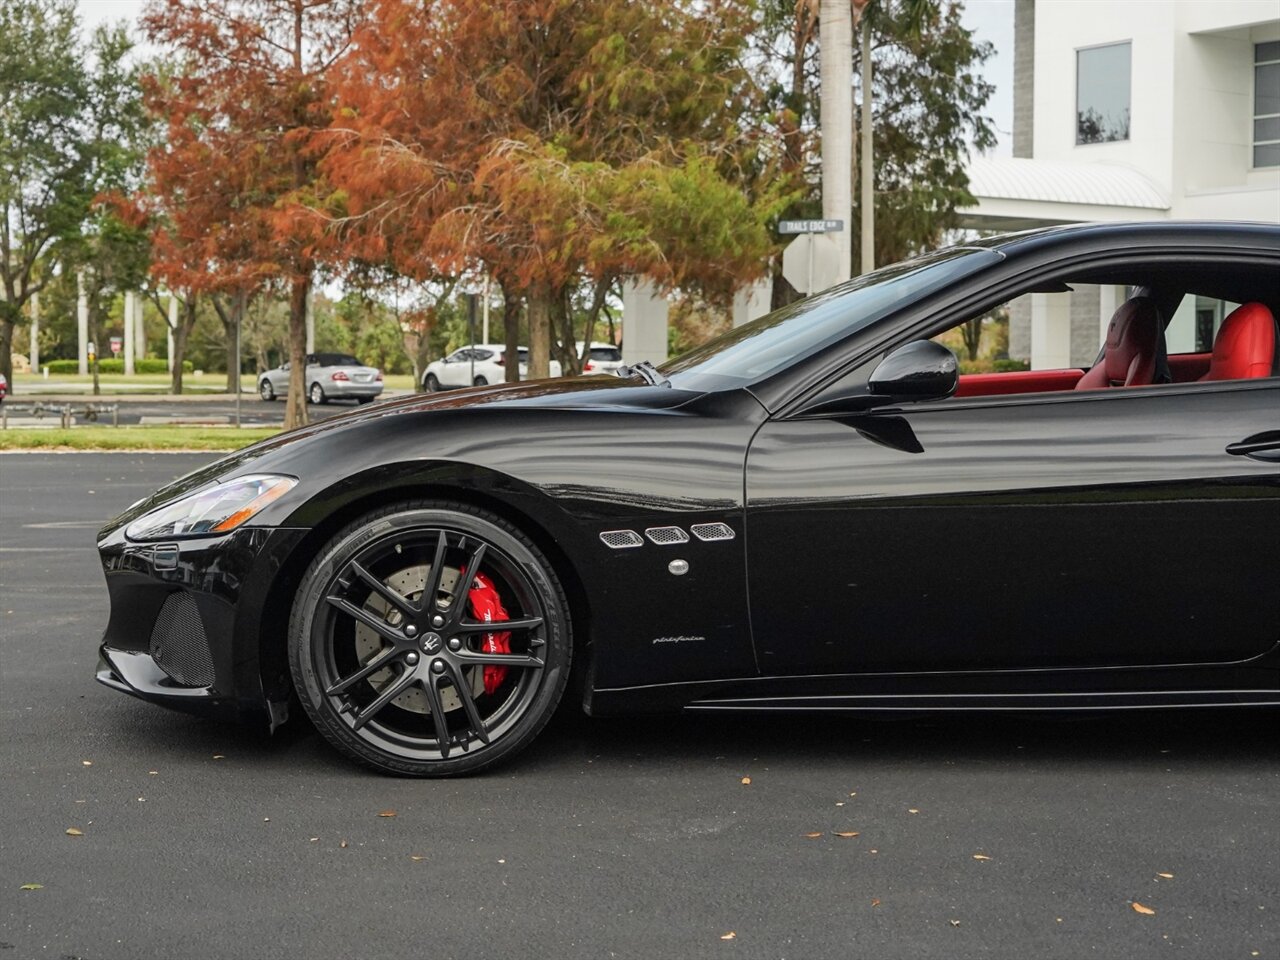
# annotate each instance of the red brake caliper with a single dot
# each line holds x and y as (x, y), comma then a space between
(487, 606)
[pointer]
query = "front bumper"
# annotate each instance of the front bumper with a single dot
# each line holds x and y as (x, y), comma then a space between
(192, 626)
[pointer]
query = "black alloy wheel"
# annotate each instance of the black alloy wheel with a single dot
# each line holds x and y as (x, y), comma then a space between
(317, 394)
(433, 383)
(266, 391)
(481, 381)
(389, 660)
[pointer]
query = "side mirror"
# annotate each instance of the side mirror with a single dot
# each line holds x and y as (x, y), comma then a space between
(920, 370)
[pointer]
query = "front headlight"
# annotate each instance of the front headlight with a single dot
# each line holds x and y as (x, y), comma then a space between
(212, 511)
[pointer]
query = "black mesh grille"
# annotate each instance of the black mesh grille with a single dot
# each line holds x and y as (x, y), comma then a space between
(178, 643)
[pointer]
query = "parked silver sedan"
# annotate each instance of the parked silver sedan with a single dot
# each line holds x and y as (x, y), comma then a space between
(330, 376)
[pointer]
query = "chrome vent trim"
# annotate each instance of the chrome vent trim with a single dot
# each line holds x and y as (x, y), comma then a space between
(621, 539)
(663, 536)
(713, 531)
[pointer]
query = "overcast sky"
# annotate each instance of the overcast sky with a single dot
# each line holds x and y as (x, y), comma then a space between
(992, 19)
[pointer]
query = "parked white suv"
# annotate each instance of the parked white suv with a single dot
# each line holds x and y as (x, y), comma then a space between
(603, 358)
(476, 366)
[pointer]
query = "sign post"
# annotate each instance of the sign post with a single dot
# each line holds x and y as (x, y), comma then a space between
(811, 262)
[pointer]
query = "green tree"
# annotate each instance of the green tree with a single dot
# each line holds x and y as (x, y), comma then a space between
(46, 151)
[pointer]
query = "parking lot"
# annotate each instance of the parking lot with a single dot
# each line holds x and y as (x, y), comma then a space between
(1003, 836)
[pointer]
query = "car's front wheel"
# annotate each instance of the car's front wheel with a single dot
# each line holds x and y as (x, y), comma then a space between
(432, 383)
(266, 391)
(430, 639)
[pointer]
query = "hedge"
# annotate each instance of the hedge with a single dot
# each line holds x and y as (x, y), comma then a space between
(148, 365)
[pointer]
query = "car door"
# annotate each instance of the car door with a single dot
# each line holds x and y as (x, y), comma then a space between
(279, 378)
(456, 369)
(1071, 529)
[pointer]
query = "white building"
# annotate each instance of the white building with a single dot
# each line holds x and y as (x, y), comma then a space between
(1133, 110)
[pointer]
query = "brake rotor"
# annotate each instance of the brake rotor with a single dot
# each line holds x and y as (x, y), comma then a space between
(409, 583)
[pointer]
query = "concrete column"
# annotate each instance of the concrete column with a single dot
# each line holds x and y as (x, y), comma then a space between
(1180, 334)
(1109, 299)
(82, 322)
(752, 301)
(1050, 331)
(311, 323)
(34, 352)
(130, 315)
(835, 44)
(140, 328)
(172, 325)
(1024, 73)
(644, 323)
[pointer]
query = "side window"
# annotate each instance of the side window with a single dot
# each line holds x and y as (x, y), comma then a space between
(482, 354)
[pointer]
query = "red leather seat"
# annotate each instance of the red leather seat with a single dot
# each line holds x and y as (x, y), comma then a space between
(1245, 346)
(1134, 345)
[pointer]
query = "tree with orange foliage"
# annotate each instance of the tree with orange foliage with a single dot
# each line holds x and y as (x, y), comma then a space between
(239, 172)
(551, 142)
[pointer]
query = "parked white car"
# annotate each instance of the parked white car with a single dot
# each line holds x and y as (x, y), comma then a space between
(476, 366)
(330, 376)
(603, 358)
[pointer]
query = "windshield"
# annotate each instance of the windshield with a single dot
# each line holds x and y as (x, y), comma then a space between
(762, 347)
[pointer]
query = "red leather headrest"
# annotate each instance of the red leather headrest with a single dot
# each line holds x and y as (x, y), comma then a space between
(1129, 358)
(1245, 346)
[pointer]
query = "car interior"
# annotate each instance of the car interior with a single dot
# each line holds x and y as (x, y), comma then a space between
(1173, 325)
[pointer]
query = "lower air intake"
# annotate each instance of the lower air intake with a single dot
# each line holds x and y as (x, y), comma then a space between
(178, 642)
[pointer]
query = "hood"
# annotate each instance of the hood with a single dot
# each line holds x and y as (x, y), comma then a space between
(601, 393)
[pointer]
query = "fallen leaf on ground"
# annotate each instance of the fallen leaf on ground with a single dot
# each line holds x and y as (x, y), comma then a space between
(812, 836)
(875, 903)
(954, 923)
(1145, 911)
(266, 819)
(387, 813)
(913, 810)
(343, 844)
(74, 832)
(87, 763)
(219, 756)
(746, 781)
(839, 803)
(32, 886)
(153, 773)
(981, 856)
(729, 936)
(1167, 876)
(312, 839)
(415, 858)
(845, 833)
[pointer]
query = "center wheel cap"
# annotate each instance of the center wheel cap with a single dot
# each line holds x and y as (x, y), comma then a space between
(432, 643)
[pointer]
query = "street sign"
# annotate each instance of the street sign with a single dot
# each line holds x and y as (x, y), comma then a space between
(810, 262)
(810, 226)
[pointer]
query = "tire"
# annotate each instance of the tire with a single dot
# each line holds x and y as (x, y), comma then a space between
(432, 383)
(390, 719)
(316, 394)
(480, 381)
(266, 391)
(361, 401)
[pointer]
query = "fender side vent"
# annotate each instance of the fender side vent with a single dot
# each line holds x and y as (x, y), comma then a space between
(713, 531)
(665, 535)
(621, 539)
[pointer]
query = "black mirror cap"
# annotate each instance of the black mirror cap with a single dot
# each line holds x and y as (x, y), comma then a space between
(920, 370)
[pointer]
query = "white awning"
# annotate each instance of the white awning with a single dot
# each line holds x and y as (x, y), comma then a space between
(1015, 193)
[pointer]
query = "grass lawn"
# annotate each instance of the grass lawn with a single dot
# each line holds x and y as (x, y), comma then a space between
(134, 438)
(30, 385)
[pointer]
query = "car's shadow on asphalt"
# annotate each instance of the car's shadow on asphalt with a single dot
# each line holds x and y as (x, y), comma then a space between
(1206, 737)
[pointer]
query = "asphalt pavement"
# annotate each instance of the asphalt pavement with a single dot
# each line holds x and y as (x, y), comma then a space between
(640, 837)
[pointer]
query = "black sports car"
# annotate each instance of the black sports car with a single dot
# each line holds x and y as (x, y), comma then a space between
(815, 511)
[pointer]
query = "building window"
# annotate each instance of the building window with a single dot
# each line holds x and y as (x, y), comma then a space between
(1102, 93)
(1266, 104)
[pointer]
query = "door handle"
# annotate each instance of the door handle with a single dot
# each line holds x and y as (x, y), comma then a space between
(1260, 446)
